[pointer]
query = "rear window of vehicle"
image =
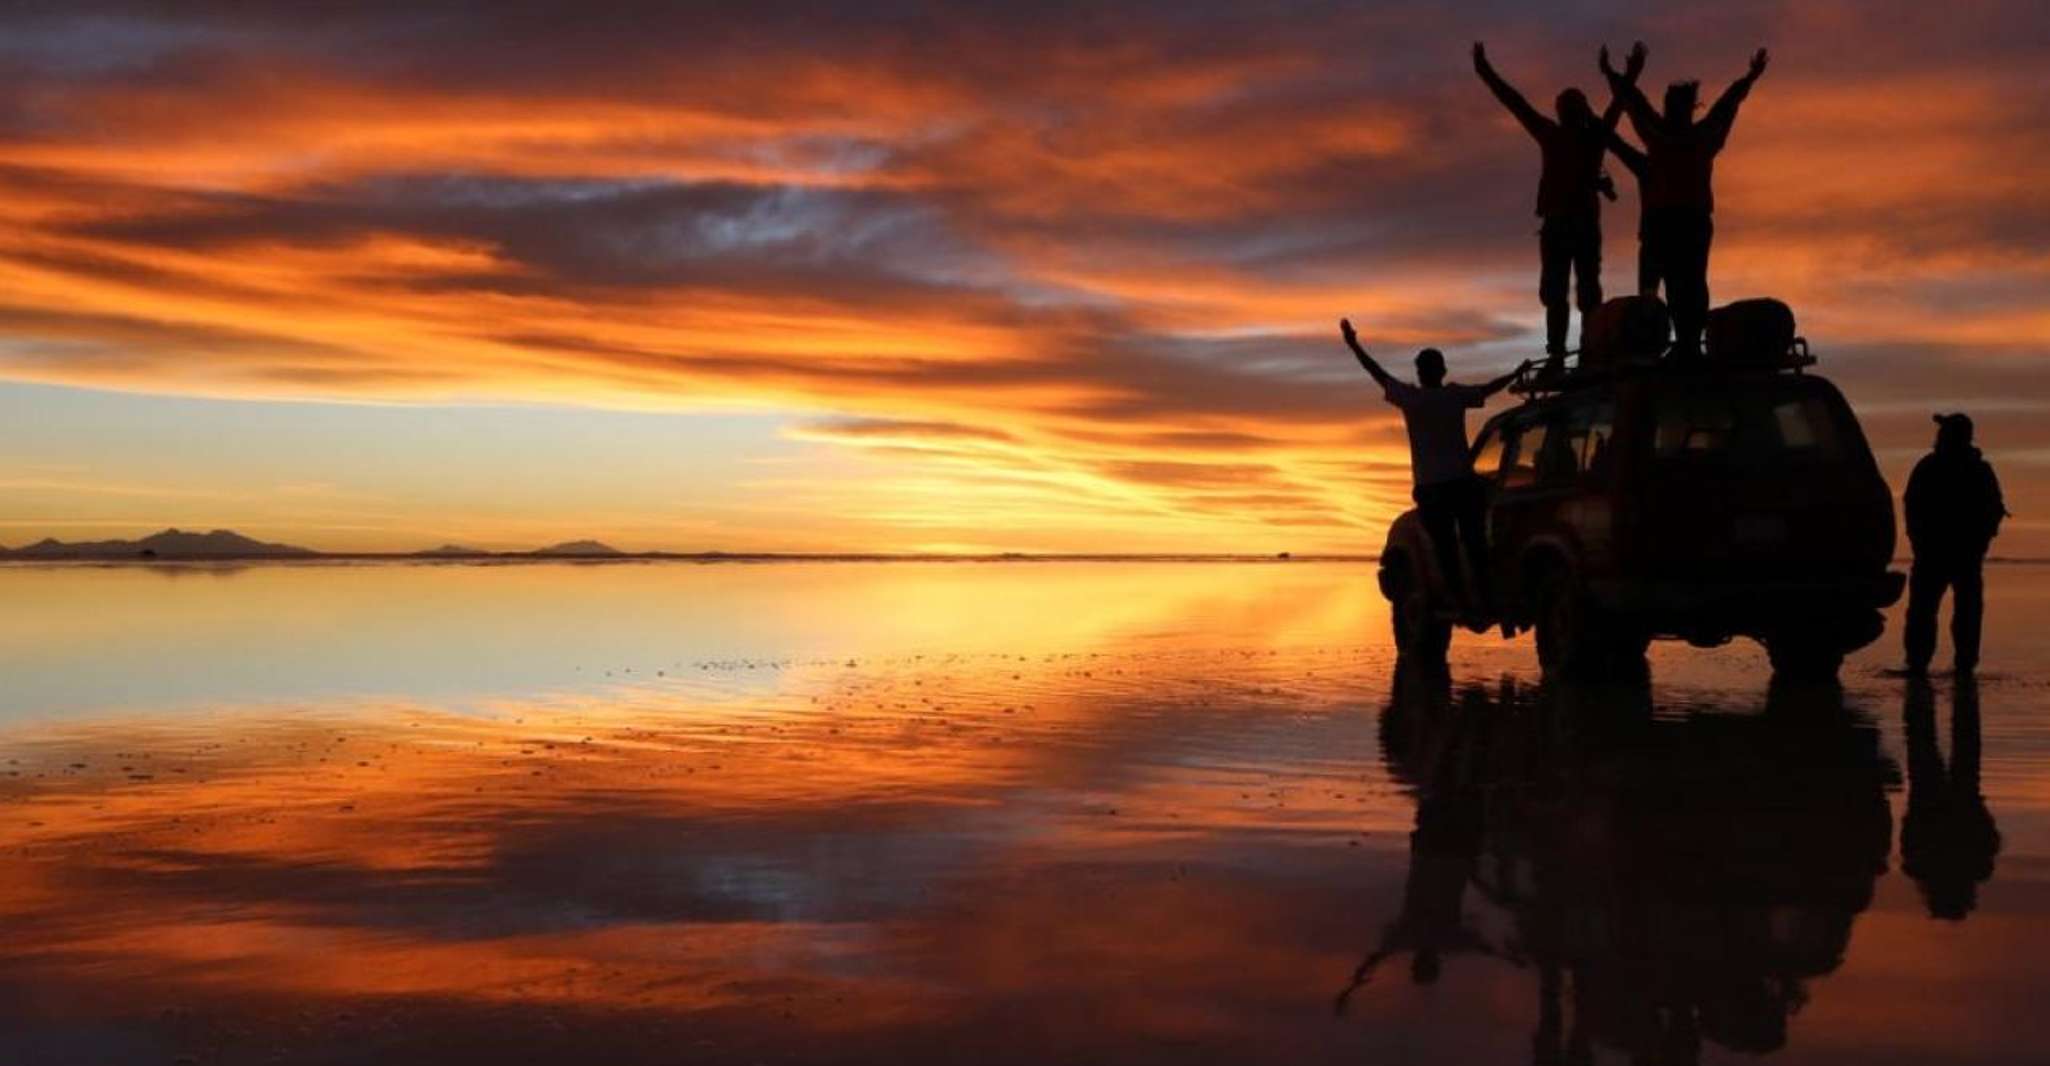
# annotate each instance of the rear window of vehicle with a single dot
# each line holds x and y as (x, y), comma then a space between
(1585, 450)
(1756, 426)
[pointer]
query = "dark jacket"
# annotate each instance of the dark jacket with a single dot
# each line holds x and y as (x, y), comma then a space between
(1954, 504)
(1570, 182)
(1676, 169)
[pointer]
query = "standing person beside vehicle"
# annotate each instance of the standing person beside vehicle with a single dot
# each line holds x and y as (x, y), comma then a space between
(1676, 187)
(1451, 501)
(1572, 147)
(1954, 508)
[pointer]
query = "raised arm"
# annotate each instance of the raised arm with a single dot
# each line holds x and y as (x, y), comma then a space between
(1504, 92)
(1627, 152)
(1352, 340)
(1624, 89)
(1360, 977)
(1724, 114)
(1633, 65)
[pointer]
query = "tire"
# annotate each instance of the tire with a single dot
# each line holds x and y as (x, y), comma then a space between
(1812, 647)
(1629, 651)
(1577, 640)
(1560, 623)
(1801, 659)
(1421, 640)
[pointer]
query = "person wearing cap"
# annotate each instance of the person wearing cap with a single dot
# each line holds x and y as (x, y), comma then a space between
(1452, 502)
(1954, 510)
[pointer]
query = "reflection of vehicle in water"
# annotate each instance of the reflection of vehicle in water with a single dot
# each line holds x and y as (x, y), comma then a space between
(1669, 880)
(1699, 501)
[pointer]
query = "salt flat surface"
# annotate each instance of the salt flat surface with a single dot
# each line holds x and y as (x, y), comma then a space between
(1021, 812)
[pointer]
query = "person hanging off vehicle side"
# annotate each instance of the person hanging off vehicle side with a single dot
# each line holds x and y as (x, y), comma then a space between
(1450, 499)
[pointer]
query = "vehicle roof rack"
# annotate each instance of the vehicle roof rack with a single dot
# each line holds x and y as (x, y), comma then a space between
(1545, 379)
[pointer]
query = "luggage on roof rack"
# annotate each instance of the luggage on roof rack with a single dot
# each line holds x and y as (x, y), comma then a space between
(1632, 334)
(1755, 334)
(1627, 329)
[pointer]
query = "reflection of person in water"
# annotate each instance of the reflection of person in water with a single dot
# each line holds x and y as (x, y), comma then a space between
(1948, 837)
(1446, 842)
(1671, 882)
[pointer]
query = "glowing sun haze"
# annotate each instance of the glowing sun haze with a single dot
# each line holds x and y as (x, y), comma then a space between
(902, 277)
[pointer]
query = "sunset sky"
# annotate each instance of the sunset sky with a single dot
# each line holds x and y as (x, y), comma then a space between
(906, 277)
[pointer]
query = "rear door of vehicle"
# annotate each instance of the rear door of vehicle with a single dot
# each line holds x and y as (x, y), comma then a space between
(1756, 478)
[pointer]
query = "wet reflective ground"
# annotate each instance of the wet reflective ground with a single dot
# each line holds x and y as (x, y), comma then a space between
(1002, 812)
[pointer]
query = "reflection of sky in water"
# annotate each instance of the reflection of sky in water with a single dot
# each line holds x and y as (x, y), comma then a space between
(1050, 813)
(90, 638)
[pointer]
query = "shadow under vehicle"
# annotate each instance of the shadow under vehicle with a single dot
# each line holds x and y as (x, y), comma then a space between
(1702, 500)
(1667, 881)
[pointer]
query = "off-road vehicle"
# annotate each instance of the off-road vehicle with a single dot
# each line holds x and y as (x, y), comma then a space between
(1701, 500)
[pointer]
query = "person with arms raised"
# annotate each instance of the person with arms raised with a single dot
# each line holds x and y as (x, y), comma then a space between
(1451, 501)
(1570, 185)
(1676, 174)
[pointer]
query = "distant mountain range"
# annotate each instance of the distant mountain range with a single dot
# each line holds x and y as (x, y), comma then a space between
(170, 544)
(226, 544)
(581, 549)
(452, 551)
(178, 544)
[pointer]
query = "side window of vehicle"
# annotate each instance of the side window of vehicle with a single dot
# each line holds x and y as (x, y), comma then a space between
(1487, 454)
(1589, 431)
(1559, 464)
(1695, 425)
(1525, 449)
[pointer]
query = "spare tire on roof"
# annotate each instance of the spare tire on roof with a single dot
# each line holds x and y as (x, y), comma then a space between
(1624, 330)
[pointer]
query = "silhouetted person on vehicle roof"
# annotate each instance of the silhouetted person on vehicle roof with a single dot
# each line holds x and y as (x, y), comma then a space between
(1675, 188)
(1954, 510)
(1450, 499)
(1570, 237)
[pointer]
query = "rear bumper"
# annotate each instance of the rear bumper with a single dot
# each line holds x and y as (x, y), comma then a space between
(1762, 601)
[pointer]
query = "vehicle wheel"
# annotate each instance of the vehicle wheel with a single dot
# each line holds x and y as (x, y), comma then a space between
(1421, 640)
(1559, 623)
(1800, 658)
(1812, 647)
(1576, 639)
(1629, 651)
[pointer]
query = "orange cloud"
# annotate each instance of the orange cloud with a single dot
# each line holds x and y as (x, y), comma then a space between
(1111, 250)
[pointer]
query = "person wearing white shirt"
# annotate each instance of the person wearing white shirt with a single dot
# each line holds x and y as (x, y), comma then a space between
(1451, 501)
